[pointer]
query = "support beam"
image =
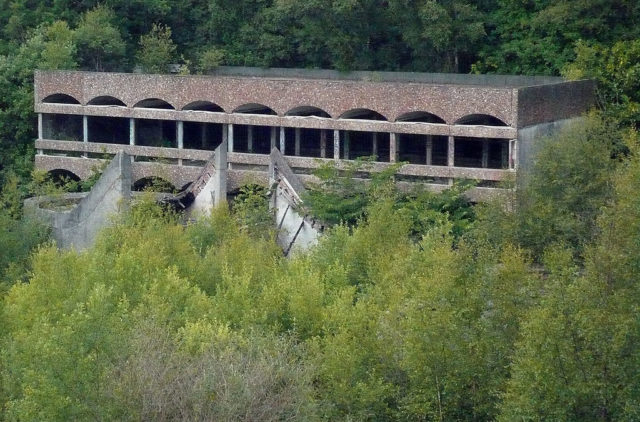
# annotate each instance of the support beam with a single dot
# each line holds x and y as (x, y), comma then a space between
(429, 150)
(513, 154)
(374, 145)
(297, 142)
(336, 144)
(451, 155)
(180, 137)
(132, 131)
(346, 145)
(273, 138)
(282, 139)
(393, 147)
(250, 138)
(323, 143)
(85, 128)
(230, 137)
(485, 153)
(40, 134)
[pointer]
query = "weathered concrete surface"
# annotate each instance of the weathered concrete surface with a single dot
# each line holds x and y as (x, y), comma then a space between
(77, 228)
(529, 139)
(210, 189)
(296, 230)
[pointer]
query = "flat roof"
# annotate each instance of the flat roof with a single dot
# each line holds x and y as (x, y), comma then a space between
(489, 80)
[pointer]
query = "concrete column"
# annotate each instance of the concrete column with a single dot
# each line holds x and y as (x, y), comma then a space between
(230, 137)
(224, 145)
(132, 131)
(429, 150)
(323, 143)
(451, 155)
(374, 145)
(85, 129)
(451, 152)
(485, 153)
(282, 139)
(393, 147)
(180, 134)
(180, 137)
(273, 138)
(221, 163)
(513, 154)
(336, 144)
(297, 142)
(250, 138)
(40, 134)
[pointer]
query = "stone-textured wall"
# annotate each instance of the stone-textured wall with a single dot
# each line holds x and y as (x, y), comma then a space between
(391, 99)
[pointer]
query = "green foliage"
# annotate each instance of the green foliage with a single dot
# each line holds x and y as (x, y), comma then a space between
(100, 44)
(251, 209)
(616, 69)
(156, 50)
(210, 59)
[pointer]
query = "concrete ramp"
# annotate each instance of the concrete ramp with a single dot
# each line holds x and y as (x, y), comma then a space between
(77, 228)
(296, 230)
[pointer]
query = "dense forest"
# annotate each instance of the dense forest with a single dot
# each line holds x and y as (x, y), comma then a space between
(413, 306)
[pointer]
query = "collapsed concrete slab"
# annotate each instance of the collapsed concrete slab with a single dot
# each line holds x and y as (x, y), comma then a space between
(296, 229)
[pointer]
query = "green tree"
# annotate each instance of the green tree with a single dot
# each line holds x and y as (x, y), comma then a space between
(100, 44)
(156, 50)
(616, 69)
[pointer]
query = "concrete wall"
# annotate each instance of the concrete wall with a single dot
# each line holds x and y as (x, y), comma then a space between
(78, 227)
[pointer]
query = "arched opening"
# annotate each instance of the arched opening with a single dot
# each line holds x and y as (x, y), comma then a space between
(255, 108)
(154, 103)
(306, 111)
(64, 178)
(106, 100)
(153, 184)
(203, 106)
(362, 114)
(60, 99)
(480, 120)
(420, 116)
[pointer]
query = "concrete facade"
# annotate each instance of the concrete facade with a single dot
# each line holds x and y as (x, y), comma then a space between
(445, 126)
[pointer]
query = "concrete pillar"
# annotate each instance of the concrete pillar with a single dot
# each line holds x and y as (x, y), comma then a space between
(336, 144)
(513, 154)
(273, 138)
(282, 139)
(297, 142)
(230, 137)
(323, 143)
(180, 137)
(346, 145)
(374, 145)
(40, 134)
(85, 129)
(250, 138)
(485, 153)
(429, 150)
(393, 147)
(132, 131)
(180, 134)
(451, 154)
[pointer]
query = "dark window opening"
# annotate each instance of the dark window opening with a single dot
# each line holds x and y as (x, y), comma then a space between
(156, 133)
(110, 130)
(203, 136)
(62, 127)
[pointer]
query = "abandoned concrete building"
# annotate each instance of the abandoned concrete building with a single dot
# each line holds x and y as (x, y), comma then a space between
(445, 126)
